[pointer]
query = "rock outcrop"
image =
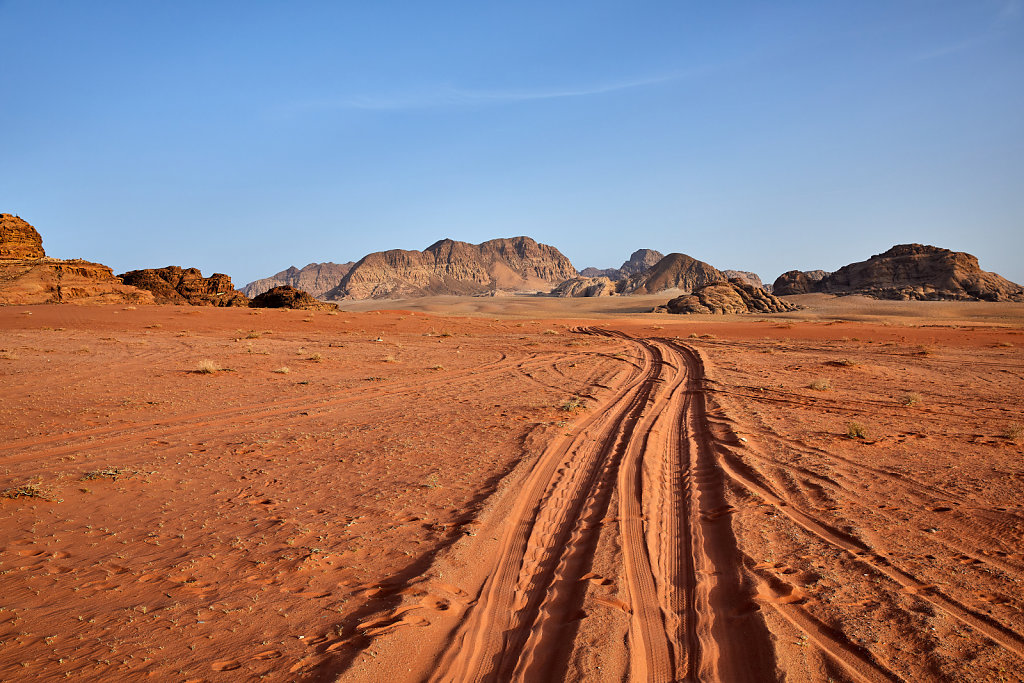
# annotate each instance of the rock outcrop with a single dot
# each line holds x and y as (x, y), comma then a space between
(585, 286)
(922, 272)
(176, 285)
(27, 276)
(638, 262)
(315, 278)
(908, 272)
(18, 239)
(675, 271)
(798, 282)
(451, 267)
(752, 279)
(734, 296)
(53, 281)
(287, 296)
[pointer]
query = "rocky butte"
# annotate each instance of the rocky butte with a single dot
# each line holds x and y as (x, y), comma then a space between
(452, 267)
(734, 296)
(28, 276)
(911, 272)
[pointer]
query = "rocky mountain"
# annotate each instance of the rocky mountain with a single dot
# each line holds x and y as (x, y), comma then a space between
(315, 278)
(585, 286)
(18, 239)
(639, 261)
(798, 282)
(912, 272)
(675, 271)
(452, 267)
(176, 285)
(28, 276)
(734, 296)
(752, 279)
(286, 296)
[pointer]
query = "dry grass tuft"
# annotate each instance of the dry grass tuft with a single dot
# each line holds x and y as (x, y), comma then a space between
(282, 370)
(1014, 433)
(316, 357)
(910, 399)
(820, 385)
(25, 491)
(207, 367)
(574, 404)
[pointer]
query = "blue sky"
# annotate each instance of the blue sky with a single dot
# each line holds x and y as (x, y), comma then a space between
(244, 137)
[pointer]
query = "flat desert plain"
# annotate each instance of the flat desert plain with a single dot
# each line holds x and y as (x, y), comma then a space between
(512, 489)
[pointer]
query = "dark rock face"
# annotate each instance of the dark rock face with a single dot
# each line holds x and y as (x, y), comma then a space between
(675, 271)
(922, 272)
(18, 239)
(287, 296)
(451, 267)
(176, 285)
(734, 296)
(798, 282)
(750, 278)
(315, 278)
(638, 262)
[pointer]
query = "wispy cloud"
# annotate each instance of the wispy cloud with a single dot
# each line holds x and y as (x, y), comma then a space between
(451, 96)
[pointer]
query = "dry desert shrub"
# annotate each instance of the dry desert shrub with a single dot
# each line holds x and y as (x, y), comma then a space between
(843, 362)
(207, 367)
(820, 385)
(1014, 433)
(8, 355)
(282, 370)
(253, 334)
(25, 491)
(316, 358)
(437, 367)
(573, 405)
(550, 332)
(910, 399)
(855, 430)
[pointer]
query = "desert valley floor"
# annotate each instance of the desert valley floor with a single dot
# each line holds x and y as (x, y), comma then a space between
(484, 489)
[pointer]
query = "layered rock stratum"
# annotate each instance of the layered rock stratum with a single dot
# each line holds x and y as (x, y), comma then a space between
(176, 285)
(28, 276)
(452, 267)
(675, 271)
(910, 272)
(638, 262)
(316, 278)
(734, 296)
(18, 239)
(286, 296)
(585, 286)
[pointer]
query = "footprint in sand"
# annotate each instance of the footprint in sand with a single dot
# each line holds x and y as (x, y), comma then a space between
(268, 654)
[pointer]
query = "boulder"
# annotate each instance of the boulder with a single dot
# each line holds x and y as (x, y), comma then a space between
(733, 296)
(798, 282)
(287, 296)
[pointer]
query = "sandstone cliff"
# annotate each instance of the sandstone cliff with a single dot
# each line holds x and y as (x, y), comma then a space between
(18, 239)
(315, 278)
(675, 271)
(585, 286)
(176, 285)
(287, 296)
(638, 262)
(734, 296)
(451, 267)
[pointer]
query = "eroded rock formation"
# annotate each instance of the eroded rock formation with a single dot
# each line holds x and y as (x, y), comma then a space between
(451, 267)
(176, 285)
(734, 296)
(752, 279)
(798, 282)
(18, 239)
(49, 280)
(315, 278)
(287, 296)
(675, 271)
(638, 262)
(585, 286)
